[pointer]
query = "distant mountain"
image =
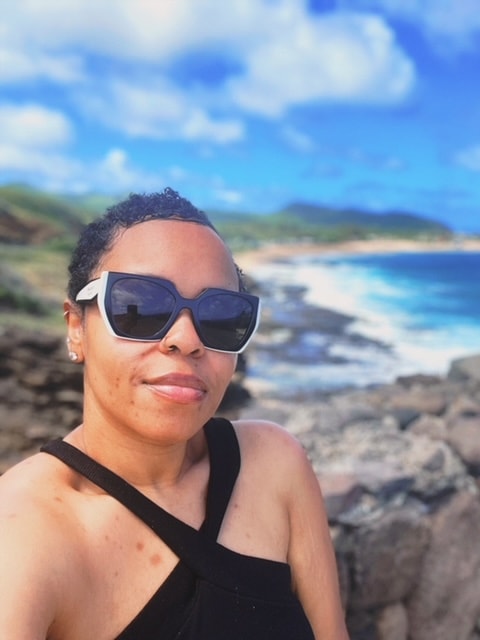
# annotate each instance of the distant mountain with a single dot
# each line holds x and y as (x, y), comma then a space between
(301, 221)
(30, 216)
(389, 222)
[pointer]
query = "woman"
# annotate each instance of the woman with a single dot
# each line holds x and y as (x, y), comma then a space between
(151, 519)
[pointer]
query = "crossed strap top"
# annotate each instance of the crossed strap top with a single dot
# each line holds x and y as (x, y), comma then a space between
(213, 593)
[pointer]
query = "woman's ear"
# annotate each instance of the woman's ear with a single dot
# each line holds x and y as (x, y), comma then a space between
(74, 320)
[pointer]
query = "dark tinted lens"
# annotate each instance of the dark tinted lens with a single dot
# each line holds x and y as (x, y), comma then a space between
(139, 308)
(225, 321)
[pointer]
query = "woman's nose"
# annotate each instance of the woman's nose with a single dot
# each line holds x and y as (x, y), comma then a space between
(182, 336)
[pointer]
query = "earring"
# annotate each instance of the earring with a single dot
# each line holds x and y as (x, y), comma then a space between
(73, 356)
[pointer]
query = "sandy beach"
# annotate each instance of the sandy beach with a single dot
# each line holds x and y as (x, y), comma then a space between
(247, 260)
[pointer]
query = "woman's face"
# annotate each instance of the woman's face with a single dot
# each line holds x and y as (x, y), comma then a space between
(159, 391)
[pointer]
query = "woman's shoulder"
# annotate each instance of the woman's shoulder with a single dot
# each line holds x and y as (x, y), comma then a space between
(260, 432)
(36, 538)
(271, 445)
(33, 492)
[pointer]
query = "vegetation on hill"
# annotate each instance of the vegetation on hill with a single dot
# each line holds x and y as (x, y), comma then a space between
(38, 231)
(30, 216)
(300, 221)
(395, 222)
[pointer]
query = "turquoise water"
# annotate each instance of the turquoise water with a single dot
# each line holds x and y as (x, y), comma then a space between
(423, 307)
(431, 291)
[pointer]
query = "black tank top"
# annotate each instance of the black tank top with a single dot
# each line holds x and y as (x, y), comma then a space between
(213, 593)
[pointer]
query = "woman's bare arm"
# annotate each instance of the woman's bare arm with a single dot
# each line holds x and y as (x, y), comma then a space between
(311, 554)
(273, 460)
(310, 551)
(29, 581)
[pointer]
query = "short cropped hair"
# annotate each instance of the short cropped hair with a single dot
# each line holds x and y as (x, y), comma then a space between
(98, 237)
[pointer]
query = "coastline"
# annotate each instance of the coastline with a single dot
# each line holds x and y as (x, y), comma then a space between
(321, 332)
(275, 251)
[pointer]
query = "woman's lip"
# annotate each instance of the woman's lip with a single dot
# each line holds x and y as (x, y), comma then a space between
(178, 387)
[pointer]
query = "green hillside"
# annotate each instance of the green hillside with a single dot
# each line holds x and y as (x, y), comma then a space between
(397, 223)
(37, 234)
(31, 216)
(300, 221)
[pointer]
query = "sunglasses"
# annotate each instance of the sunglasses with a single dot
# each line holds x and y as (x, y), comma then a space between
(137, 307)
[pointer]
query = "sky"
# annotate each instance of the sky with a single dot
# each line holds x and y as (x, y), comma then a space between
(247, 105)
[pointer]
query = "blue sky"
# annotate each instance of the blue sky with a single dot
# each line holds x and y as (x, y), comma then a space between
(247, 105)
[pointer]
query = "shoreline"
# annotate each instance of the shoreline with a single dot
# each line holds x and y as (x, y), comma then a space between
(275, 251)
(313, 347)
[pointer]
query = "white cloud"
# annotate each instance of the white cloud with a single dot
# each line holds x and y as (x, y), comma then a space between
(113, 173)
(114, 63)
(469, 158)
(113, 168)
(50, 170)
(199, 126)
(138, 29)
(158, 110)
(284, 57)
(447, 23)
(34, 126)
(21, 66)
(116, 172)
(346, 57)
(229, 197)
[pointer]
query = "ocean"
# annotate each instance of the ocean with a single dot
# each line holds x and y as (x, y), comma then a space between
(413, 314)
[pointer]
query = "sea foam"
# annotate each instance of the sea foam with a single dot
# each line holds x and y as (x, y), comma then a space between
(417, 321)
